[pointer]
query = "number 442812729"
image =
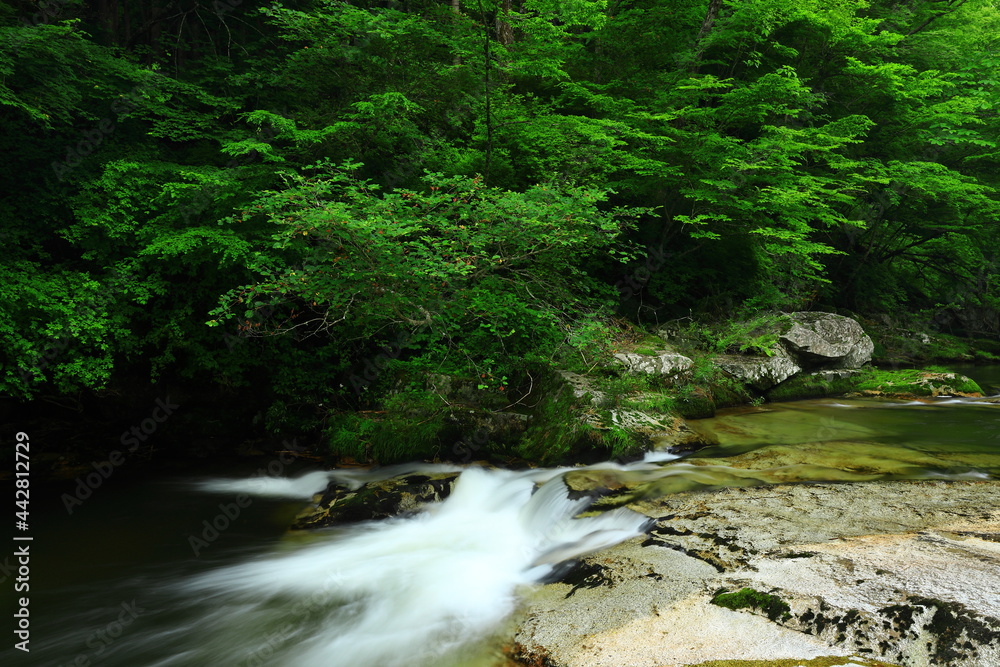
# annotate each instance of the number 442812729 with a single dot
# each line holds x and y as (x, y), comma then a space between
(21, 472)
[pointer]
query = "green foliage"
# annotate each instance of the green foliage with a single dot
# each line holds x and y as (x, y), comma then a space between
(409, 427)
(486, 276)
(466, 188)
(555, 433)
(756, 335)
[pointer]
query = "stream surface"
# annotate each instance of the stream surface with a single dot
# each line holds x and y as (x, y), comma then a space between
(198, 572)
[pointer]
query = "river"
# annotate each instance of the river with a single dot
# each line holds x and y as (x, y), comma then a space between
(198, 571)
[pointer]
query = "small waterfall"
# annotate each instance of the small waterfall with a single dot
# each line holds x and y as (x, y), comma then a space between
(406, 591)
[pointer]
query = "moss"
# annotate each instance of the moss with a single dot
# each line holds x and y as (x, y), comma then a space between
(555, 432)
(932, 381)
(929, 381)
(725, 391)
(650, 344)
(657, 402)
(813, 386)
(953, 622)
(747, 598)
(695, 403)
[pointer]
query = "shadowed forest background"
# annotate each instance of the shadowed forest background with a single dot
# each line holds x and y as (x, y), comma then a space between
(309, 206)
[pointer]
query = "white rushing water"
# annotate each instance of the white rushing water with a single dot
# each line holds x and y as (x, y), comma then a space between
(406, 591)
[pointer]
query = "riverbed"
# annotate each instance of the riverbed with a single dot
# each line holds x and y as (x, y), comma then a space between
(169, 571)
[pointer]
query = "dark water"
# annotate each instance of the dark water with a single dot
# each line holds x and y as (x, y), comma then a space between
(109, 583)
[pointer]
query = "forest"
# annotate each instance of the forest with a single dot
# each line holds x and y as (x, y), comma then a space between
(312, 204)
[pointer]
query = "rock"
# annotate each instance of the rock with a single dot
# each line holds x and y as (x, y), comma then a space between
(909, 383)
(876, 573)
(679, 438)
(581, 387)
(826, 340)
(669, 364)
(806, 341)
(636, 420)
(761, 373)
(819, 384)
(696, 403)
(381, 499)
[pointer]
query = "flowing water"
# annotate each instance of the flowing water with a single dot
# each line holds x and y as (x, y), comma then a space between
(199, 572)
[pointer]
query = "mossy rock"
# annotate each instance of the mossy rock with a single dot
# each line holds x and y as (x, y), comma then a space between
(893, 383)
(747, 598)
(815, 385)
(695, 403)
(915, 382)
(339, 505)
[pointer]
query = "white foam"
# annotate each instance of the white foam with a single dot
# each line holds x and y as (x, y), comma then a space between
(406, 591)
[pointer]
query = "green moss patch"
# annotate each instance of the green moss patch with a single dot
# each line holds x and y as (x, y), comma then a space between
(747, 598)
(931, 381)
(814, 385)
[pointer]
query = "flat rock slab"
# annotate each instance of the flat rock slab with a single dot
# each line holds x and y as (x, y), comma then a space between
(904, 572)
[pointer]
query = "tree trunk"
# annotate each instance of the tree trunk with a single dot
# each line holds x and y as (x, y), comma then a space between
(706, 28)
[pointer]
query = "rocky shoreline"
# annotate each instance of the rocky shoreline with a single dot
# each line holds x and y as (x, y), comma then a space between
(900, 572)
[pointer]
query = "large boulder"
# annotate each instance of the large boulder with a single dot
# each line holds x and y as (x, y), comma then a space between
(761, 373)
(826, 340)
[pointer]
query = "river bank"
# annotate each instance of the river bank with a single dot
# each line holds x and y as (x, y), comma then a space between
(787, 487)
(902, 572)
(641, 389)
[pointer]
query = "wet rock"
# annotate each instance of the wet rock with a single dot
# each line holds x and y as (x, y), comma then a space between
(339, 505)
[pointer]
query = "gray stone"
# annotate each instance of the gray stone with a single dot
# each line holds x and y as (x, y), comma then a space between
(761, 373)
(818, 339)
(904, 572)
(670, 364)
(581, 387)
